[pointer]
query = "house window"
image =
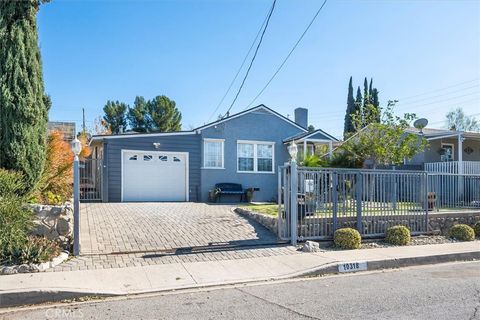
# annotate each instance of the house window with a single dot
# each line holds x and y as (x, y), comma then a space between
(213, 153)
(448, 152)
(255, 156)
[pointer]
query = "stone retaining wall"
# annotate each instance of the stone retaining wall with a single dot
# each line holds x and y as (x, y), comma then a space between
(441, 222)
(54, 223)
(268, 222)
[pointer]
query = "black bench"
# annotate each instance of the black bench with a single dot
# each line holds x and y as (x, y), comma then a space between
(231, 189)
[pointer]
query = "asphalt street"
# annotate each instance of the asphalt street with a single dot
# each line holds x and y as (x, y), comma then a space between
(448, 291)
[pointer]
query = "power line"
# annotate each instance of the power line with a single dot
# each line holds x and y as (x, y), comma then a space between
(241, 66)
(440, 89)
(288, 55)
(254, 56)
(439, 95)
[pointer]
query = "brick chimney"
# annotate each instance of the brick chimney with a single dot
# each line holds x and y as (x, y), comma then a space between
(301, 117)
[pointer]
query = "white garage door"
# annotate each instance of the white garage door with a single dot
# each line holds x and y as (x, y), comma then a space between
(154, 176)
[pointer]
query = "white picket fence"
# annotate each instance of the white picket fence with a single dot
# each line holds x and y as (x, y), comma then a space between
(469, 167)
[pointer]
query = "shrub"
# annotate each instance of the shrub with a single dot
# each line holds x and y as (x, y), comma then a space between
(347, 238)
(462, 232)
(11, 184)
(476, 229)
(398, 235)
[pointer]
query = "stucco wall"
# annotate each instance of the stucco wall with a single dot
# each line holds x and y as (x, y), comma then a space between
(431, 154)
(180, 143)
(257, 126)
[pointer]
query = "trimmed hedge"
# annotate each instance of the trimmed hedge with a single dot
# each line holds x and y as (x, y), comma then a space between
(476, 229)
(347, 238)
(462, 232)
(398, 235)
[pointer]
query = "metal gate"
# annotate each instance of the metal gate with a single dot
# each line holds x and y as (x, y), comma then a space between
(91, 179)
(314, 202)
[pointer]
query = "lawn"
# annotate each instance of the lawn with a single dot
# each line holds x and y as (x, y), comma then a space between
(270, 209)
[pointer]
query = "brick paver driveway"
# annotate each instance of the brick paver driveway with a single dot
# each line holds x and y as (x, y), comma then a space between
(141, 227)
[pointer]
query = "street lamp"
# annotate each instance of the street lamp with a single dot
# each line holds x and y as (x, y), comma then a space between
(76, 149)
(292, 151)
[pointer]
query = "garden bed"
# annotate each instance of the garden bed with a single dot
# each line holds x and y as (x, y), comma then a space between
(34, 267)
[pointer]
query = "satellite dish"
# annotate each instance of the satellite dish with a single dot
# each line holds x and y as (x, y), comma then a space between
(420, 124)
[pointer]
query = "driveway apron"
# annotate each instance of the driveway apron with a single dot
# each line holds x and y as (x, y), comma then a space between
(108, 228)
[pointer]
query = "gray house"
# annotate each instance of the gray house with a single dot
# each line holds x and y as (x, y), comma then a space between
(449, 151)
(245, 148)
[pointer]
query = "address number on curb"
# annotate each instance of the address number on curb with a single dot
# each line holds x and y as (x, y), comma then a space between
(352, 266)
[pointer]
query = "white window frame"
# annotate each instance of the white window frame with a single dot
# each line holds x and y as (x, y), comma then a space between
(255, 156)
(205, 140)
(453, 150)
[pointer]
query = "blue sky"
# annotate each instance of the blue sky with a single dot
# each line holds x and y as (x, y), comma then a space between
(190, 50)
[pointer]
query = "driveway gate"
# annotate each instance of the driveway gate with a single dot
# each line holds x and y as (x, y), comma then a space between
(314, 202)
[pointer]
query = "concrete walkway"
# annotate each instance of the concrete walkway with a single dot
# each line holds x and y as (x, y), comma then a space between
(154, 278)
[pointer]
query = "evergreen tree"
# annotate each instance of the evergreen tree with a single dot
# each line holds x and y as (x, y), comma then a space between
(138, 116)
(311, 128)
(366, 97)
(370, 91)
(348, 125)
(164, 114)
(358, 103)
(23, 103)
(115, 116)
(376, 103)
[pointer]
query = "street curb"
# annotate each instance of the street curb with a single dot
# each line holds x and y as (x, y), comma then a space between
(394, 263)
(19, 298)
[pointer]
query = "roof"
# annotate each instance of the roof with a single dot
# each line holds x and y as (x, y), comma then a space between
(433, 133)
(198, 129)
(306, 135)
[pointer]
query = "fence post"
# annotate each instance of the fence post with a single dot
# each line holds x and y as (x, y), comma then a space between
(425, 177)
(280, 192)
(334, 199)
(293, 202)
(359, 191)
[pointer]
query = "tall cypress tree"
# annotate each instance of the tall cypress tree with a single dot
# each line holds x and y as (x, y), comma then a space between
(376, 103)
(370, 91)
(358, 103)
(348, 125)
(23, 103)
(366, 97)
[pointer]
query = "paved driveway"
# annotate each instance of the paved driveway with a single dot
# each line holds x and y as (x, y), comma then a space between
(136, 227)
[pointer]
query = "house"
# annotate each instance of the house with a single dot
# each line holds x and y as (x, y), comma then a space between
(449, 151)
(246, 148)
(66, 128)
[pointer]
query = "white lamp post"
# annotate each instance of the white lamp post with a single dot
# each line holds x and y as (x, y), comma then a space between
(76, 149)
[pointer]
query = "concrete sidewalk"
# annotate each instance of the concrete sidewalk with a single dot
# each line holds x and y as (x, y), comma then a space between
(36, 287)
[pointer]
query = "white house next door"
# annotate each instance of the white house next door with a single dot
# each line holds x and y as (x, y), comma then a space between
(154, 176)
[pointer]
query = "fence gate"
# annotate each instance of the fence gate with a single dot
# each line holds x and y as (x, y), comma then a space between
(91, 179)
(314, 202)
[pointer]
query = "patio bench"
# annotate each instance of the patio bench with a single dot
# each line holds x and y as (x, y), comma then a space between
(228, 189)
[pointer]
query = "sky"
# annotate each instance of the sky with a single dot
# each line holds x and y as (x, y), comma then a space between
(426, 54)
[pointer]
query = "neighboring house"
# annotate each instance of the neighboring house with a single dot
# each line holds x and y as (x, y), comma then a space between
(246, 148)
(449, 151)
(66, 128)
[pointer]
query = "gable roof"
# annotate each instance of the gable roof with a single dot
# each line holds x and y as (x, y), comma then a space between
(310, 134)
(198, 129)
(259, 107)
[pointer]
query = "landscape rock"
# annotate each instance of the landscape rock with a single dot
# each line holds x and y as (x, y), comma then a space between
(311, 246)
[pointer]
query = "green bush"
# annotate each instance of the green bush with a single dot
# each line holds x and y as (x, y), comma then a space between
(347, 238)
(462, 232)
(398, 235)
(11, 184)
(476, 229)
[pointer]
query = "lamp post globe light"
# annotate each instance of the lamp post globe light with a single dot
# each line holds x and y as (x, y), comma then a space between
(76, 149)
(292, 151)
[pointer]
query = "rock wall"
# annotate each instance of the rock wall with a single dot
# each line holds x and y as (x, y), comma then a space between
(267, 221)
(54, 223)
(444, 221)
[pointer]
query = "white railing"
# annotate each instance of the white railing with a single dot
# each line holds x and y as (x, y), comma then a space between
(469, 167)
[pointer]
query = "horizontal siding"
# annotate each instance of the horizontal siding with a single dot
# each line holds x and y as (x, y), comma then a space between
(180, 143)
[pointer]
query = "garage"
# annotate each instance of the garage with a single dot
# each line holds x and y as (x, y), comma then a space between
(154, 176)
